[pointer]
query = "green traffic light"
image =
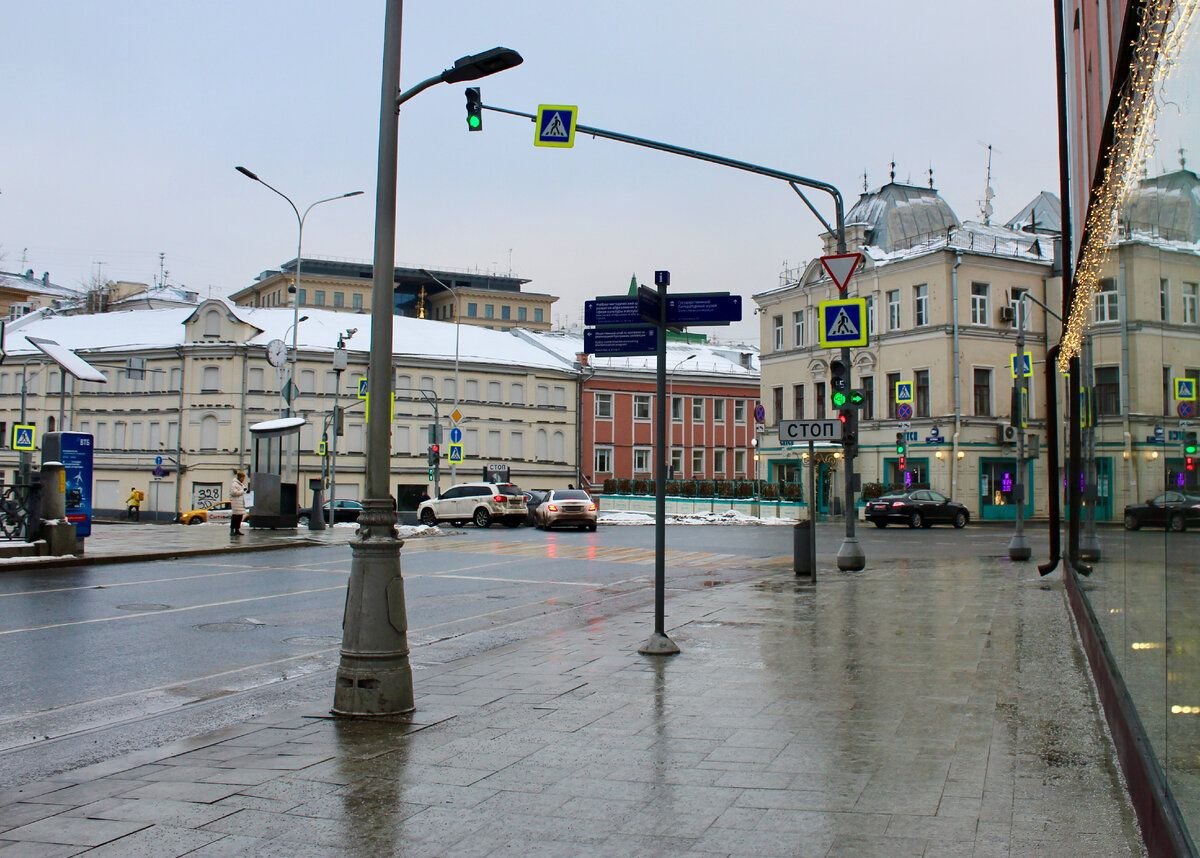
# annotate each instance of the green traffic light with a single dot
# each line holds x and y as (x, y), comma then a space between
(1190, 449)
(899, 449)
(839, 398)
(474, 121)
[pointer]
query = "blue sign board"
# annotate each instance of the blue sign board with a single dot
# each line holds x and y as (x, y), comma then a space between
(621, 341)
(611, 311)
(662, 278)
(74, 450)
(843, 323)
(455, 435)
(712, 308)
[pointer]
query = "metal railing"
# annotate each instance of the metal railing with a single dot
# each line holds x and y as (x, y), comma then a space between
(18, 516)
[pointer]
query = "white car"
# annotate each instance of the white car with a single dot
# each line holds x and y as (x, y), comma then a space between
(481, 503)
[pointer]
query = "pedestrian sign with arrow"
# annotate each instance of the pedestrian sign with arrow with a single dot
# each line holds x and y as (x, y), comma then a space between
(556, 125)
(843, 323)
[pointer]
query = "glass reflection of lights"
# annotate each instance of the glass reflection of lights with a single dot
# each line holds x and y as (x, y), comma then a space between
(1185, 710)
(1139, 645)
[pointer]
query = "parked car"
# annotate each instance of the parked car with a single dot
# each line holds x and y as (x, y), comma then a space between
(1172, 510)
(345, 510)
(918, 508)
(533, 499)
(566, 507)
(481, 503)
(221, 511)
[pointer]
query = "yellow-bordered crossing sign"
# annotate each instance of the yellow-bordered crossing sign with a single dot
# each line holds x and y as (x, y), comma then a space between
(843, 323)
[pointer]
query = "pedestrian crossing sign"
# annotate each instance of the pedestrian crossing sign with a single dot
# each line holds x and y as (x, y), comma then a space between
(362, 387)
(456, 454)
(24, 437)
(556, 125)
(1185, 389)
(843, 323)
(904, 392)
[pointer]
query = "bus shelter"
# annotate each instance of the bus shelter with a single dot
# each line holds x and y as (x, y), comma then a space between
(274, 448)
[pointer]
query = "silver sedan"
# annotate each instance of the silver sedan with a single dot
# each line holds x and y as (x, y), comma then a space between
(566, 507)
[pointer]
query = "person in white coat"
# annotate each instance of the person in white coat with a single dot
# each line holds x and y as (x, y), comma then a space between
(237, 503)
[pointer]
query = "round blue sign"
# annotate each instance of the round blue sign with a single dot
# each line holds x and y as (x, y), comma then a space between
(904, 411)
(760, 413)
(158, 460)
(455, 435)
(1186, 410)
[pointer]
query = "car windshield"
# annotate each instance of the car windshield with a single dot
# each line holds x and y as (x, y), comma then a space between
(572, 494)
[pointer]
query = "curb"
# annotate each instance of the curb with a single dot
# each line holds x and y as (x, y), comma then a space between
(58, 561)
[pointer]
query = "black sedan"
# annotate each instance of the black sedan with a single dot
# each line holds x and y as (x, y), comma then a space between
(1172, 510)
(344, 511)
(919, 508)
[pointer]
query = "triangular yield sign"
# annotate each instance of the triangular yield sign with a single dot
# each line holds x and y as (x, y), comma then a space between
(841, 267)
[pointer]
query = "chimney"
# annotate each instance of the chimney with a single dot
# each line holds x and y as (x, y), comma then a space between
(582, 358)
(45, 278)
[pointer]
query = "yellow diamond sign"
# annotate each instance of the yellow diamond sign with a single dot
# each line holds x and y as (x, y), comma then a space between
(456, 416)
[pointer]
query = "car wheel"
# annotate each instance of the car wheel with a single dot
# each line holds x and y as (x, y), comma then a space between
(880, 524)
(916, 520)
(194, 520)
(960, 520)
(482, 518)
(1131, 522)
(1178, 523)
(592, 527)
(428, 517)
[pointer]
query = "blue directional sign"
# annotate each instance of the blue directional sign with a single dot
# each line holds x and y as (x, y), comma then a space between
(621, 341)
(455, 435)
(843, 323)
(611, 311)
(712, 308)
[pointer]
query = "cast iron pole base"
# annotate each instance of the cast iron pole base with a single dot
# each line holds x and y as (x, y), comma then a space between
(374, 676)
(1089, 547)
(850, 557)
(1018, 547)
(658, 644)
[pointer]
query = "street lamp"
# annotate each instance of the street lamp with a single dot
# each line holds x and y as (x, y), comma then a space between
(299, 248)
(454, 295)
(374, 676)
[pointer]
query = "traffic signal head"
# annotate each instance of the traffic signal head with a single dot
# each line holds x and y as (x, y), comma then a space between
(1189, 443)
(903, 464)
(435, 452)
(839, 382)
(1189, 463)
(474, 109)
(849, 429)
(901, 448)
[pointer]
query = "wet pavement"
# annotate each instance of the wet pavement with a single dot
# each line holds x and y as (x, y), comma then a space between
(935, 708)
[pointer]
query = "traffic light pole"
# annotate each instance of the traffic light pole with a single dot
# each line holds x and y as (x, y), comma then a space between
(850, 557)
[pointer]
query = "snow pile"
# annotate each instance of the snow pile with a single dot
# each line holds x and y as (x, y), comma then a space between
(727, 517)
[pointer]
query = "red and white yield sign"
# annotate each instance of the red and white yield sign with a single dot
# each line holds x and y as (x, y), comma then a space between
(841, 267)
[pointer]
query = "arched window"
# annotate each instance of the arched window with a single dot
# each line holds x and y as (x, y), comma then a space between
(212, 323)
(211, 380)
(308, 381)
(558, 447)
(208, 432)
(540, 446)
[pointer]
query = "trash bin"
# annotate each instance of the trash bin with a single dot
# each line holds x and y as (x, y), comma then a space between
(802, 542)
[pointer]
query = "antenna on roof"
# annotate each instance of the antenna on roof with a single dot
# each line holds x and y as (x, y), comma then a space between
(985, 209)
(1182, 158)
(931, 175)
(892, 174)
(864, 187)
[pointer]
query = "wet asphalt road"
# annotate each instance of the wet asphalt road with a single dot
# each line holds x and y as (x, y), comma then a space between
(100, 660)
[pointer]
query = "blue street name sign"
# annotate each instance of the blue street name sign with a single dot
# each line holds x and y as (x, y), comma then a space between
(711, 308)
(620, 341)
(611, 311)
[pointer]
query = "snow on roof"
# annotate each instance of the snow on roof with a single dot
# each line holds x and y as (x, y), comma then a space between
(709, 359)
(972, 237)
(36, 285)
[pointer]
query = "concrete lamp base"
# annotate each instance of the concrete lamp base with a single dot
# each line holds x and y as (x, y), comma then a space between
(658, 644)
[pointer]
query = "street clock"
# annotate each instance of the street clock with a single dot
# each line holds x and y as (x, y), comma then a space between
(277, 352)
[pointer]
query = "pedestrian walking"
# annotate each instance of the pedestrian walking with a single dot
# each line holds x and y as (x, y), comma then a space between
(237, 502)
(133, 504)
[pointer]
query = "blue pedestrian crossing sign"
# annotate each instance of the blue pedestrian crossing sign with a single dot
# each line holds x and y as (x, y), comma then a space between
(1185, 389)
(456, 453)
(556, 125)
(362, 387)
(904, 391)
(24, 437)
(1027, 363)
(843, 323)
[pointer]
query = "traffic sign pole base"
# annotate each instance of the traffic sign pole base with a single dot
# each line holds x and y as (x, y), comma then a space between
(850, 557)
(1018, 548)
(658, 644)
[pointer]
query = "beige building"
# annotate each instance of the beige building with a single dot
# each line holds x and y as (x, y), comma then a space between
(185, 384)
(486, 300)
(943, 302)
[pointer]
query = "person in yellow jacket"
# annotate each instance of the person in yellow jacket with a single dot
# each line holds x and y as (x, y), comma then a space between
(133, 505)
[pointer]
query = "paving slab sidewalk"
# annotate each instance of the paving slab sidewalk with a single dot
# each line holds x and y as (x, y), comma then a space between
(933, 709)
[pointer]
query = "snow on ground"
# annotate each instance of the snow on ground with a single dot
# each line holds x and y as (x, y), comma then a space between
(624, 517)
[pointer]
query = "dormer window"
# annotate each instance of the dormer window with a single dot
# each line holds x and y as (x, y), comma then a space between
(212, 323)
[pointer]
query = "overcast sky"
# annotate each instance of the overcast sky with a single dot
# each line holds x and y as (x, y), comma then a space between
(125, 119)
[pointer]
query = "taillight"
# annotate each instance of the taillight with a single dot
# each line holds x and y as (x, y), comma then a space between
(552, 507)
(499, 498)
(897, 503)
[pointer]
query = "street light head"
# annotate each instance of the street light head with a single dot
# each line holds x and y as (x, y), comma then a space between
(476, 66)
(302, 319)
(247, 173)
(353, 194)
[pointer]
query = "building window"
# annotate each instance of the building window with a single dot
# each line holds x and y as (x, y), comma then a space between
(537, 314)
(1105, 307)
(893, 306)
(718, 462)
(920, 305)
(516, 393)
(776, 405)
(677, 409)
(493, 443)
(339, 299)
(921, 379)
(677, 464)
(893, 378)
(522, 314)
(489, 311)
(210, 380)
(319, 298)
(493, 391)
(868, 388)
(212, 323)
(697, 410)
(1107, 391)
(472, 390)
(641, 460)
(302, 297)
(208, 432)
(870, 314)
(472, 309)
(308, 381)
(543, 395)
(698, 463)
(516, 445)
(1164, 299)
(1018, 307)
(798, 328)
(506, 312)
(983, 392)
(641, 406)
(979, 303)
(777, 327)
(718, 410)
(739, 463)
(798, 402)
(1191, 296)
(739, 411)
(356, 301)
(604, 405)
(819, 399)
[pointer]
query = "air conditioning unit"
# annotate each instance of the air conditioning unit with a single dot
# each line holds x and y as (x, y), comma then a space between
(1006, 434)
(1007, 314)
